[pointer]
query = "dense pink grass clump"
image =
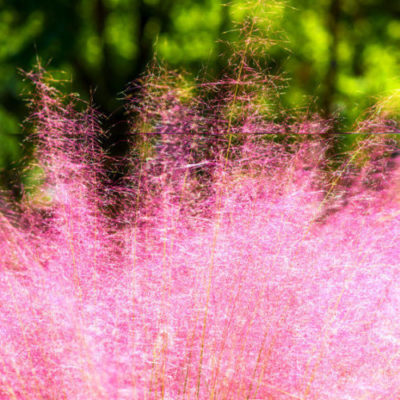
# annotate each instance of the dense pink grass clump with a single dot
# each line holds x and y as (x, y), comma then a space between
(221, 269)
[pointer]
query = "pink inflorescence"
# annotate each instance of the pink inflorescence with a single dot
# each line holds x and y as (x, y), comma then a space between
(221, 269)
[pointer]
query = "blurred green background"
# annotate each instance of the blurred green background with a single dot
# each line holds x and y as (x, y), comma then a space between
(338, 56)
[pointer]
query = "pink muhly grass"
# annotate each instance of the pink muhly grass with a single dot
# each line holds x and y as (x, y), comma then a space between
(223, 268)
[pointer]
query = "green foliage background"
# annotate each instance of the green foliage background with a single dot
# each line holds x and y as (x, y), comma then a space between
(338, 56)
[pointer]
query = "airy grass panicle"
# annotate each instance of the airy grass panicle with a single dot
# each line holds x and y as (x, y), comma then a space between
(236, 260)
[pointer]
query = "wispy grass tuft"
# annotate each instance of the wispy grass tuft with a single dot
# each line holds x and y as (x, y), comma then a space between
(236, 260)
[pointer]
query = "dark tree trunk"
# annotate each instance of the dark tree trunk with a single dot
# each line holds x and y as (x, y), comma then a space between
(222, 47)
(329, 84)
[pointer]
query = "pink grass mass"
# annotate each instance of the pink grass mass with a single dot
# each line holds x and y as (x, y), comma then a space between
(227, 269)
